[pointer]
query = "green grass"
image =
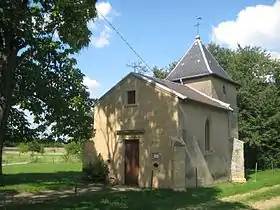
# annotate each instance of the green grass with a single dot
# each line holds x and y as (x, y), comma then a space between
(264, 195)
(275, 208)
(146, 199)
(264, 179)
(39, 177)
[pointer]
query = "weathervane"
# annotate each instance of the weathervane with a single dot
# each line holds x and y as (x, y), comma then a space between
(197, 25)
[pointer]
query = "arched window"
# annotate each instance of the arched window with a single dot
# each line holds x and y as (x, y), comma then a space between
(207, 135)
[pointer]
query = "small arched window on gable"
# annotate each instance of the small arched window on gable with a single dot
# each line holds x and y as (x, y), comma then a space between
(207, 135)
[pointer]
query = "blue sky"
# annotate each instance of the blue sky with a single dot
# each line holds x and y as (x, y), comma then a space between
(161, 32)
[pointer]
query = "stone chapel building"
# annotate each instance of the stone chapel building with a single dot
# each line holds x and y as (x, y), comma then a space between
(176, 132)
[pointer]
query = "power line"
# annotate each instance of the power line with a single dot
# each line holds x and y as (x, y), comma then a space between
(126, 42)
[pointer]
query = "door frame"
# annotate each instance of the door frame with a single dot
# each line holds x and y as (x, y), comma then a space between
(138, 158)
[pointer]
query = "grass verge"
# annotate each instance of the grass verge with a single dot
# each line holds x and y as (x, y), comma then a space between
(39, 177)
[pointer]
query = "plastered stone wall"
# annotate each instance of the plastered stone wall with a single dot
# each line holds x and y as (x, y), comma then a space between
(205, 167)
(179, 167)
(155, 111)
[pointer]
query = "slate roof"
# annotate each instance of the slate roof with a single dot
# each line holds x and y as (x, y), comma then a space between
(183, 91)
(196, 62)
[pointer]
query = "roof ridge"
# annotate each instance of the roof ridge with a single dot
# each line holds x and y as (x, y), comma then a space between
(196, 61)
(204, 57)
(151, 79)
(180, 59)
(217, 62)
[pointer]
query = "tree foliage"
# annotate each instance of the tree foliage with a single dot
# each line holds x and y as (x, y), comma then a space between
(23, 148)
(162, 73)
(37, 70)
(258, 101)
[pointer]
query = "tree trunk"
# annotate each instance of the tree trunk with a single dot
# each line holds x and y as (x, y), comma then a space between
(7, 68)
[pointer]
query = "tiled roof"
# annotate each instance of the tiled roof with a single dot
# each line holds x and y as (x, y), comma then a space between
(197, 61)
(184, 91)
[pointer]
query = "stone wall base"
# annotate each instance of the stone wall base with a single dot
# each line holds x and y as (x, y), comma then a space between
(237, 161)
(238, 180)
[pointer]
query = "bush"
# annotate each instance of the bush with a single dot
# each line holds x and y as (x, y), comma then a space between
(97, 171)
(73, 148)
(23, 148)
(34, 146)
(66, 158)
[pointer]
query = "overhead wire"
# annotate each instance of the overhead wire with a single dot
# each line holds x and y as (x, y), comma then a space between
(125, 41)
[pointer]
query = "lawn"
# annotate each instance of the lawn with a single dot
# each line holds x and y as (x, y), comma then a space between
(39, 177)
(107, 199)
(264, 179)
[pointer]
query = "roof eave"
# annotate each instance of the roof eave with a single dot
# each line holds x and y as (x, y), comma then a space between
(160, 86)
(205, 75)
(226, 108)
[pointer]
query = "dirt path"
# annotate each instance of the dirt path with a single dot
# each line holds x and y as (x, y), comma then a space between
(26, 197)
(239, 197)
(46, 195)
(19, 163)
(266, 204)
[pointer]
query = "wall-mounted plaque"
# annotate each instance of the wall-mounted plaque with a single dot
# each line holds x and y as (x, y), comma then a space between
(156, 156)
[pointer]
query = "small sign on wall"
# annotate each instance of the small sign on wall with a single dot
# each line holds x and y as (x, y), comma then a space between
(156, 156)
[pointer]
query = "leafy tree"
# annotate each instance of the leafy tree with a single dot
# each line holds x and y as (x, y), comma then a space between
(258, 101)
(162, 73)
(73, 148)
(34, 146)
(37, 70)
(23, 148)
(157, 72)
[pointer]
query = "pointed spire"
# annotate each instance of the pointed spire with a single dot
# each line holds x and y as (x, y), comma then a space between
(197, 62)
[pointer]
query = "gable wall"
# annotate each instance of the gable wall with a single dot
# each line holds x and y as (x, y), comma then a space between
(156, 112)
(202, 84)
(214, 165)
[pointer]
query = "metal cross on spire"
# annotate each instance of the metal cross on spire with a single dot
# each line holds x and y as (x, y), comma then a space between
(197, 25)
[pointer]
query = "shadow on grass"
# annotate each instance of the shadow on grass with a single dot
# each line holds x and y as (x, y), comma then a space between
(108, 199)
(42, 181)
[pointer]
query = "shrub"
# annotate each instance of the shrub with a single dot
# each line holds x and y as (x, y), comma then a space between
(66, 158)
(34, 146)
(97, 171)
(23, 148)
(73, 148)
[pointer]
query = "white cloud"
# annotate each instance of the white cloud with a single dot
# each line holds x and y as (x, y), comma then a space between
(275, 55)
(255, 25)
(91, 84)
(99, 27)
(105, 8)
(103, 39)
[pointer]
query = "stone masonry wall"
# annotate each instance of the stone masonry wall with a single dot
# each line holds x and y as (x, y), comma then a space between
(237, 163)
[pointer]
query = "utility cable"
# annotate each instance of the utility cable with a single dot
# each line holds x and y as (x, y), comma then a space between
(125, 41)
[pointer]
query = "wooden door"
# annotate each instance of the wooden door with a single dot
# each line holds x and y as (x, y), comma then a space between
(131, 167)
